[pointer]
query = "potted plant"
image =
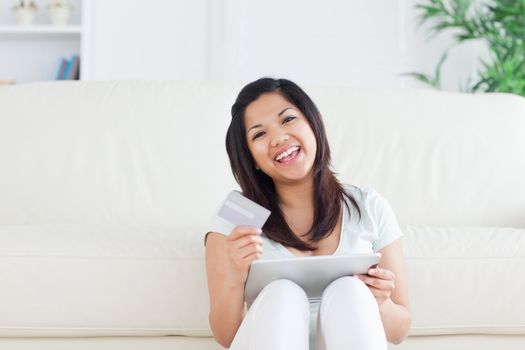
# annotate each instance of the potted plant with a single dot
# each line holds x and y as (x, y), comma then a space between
(60, 12)
(500, 23)
(25, 12)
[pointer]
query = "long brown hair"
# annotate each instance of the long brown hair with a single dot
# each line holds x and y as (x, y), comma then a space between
(329, 194)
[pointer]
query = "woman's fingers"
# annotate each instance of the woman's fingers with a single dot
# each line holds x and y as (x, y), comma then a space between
(248, 250)
(240, 231)
(252, 257)
(243, 237)
(379, 278)
(244, 246)
(377, 282)
(246, 240)
(381, 273)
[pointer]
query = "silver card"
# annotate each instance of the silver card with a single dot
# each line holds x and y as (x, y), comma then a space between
(242, 211)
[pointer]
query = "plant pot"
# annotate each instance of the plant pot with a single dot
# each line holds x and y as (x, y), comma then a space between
(25, 15)
(60, 15)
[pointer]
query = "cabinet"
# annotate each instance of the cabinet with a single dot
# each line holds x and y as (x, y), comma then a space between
(30, 53)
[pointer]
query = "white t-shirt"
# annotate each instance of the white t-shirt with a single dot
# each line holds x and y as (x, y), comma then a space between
(376, 229)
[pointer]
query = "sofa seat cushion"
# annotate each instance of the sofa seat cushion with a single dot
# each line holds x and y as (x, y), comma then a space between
(101, 280)
(111, 280)
(466, 280)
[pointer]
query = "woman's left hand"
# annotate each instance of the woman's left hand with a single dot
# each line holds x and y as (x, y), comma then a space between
(381, 283)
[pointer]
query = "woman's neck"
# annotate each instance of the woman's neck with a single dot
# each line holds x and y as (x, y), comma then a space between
(297, 195)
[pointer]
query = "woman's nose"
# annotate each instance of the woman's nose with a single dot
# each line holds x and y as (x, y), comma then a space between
(279, 139)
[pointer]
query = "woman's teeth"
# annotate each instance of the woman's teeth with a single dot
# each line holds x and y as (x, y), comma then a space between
(286, 153)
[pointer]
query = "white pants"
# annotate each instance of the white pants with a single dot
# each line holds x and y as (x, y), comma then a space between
(279, 318)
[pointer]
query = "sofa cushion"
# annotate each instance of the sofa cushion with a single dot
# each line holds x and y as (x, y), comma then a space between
(466, 280)
(113, 280)
(101, 280)
(139, 151)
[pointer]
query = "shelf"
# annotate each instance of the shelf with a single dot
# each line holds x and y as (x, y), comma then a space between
(40, 29)
(30, 53)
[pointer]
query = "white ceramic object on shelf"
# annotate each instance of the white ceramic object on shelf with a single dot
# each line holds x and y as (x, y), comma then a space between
(60, 12)
(60, 16)
(25, 13)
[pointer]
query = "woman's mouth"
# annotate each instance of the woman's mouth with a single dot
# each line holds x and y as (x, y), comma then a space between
(288, 155)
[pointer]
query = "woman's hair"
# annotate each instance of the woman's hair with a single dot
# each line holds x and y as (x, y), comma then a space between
(259, 187)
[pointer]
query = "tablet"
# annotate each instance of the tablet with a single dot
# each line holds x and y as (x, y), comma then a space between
(312, 273)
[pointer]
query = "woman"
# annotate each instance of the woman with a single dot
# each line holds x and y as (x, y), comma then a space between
(279, 155)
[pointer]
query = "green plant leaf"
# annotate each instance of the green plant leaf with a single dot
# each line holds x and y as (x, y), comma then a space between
(500, 23)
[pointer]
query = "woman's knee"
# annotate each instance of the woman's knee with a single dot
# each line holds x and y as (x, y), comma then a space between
(285, 295)
(349, 314)
(348, 286)
(285, 288)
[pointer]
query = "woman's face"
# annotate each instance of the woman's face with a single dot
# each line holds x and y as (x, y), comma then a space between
(280, 138)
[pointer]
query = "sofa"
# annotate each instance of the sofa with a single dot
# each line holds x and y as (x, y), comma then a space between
(107, 188)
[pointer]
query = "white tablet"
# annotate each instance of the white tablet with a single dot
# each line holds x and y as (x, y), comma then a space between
(313, 273)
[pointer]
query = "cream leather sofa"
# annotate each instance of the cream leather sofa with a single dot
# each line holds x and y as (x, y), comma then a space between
(106, 189)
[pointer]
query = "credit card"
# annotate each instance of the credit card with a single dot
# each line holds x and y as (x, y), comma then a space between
(240, 210)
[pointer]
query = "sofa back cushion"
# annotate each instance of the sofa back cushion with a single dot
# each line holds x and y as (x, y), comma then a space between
(141, 152)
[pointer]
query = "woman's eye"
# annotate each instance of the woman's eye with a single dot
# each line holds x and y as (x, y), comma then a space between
(288, 119)
(257, 135)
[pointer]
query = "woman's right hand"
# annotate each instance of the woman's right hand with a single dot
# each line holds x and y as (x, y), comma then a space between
(244, 246)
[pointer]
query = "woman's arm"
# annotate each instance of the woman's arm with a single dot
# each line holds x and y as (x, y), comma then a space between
(388, 284)
(228, 259)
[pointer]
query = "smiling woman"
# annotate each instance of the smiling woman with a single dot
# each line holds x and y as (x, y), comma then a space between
(282, 144)
(280, 157)
(270, 117)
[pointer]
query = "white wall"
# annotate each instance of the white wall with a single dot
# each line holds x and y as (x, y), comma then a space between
(154, 39)
(349, 42)
(334, 42)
